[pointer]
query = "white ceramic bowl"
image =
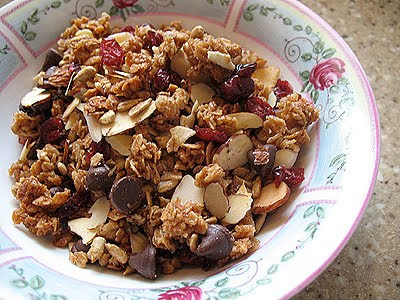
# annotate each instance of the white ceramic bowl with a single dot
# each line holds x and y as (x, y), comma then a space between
(299, 240)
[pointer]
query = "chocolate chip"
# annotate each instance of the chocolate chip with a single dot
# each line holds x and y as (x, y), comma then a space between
(56, 189)
(80, 246)
(216, 244)
(145, 262)
(126, 194)
(52, 59)
(262, 160)
(98, 179)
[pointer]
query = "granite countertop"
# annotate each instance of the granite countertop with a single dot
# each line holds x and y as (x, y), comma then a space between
(368, 267)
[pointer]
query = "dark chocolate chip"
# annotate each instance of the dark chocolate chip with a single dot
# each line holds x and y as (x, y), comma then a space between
(216, 244)
(56, 189)
(80, 246)
(98, 179)
(145, 262)
(52, 59)
(262, 160)
(126, 194)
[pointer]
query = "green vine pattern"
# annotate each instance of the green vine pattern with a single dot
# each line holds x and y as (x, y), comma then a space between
(29, 34)
(317, 212)
(338, 163)
(223, 2)
(4, 50)
(35, 285)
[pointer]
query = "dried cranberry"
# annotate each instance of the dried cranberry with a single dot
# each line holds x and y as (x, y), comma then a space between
(129, 29)
(52, 130)
(259, 107)
(155, 39)
(245, 70)
(211, 135)
(292, 176)
(283, 88)
(164, 77)
(240, 85)
(111, 53)
(74, 203)
(101, 147)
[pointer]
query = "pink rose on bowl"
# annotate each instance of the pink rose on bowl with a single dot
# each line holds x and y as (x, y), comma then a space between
(124, 3)
(184, 293)
(327, 73)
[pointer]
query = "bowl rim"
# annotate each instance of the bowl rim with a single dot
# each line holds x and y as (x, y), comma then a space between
(373, 116)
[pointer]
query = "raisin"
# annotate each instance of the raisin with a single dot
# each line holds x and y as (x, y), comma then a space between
(74, 203)
(208, 135)
(101, 147)
(164, 77)
(52, 130)
(240, 85)
(155, 39)
(292, 176)
(258, 106)
(129, 29)
(111, 53)
(282, 89)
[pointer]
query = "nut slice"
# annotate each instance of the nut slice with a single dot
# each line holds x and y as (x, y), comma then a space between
(215, 200)
(221, 59)
(121, 37)
(187, 191)
(179, 136)
(36, 96)
(180, 64)
(70, 108)
(285, 157)
(140, 107)
(259, 223)
(202, 93)
(246, 120)
(120, 143)
(94, 127)
(271, 198)
(269, 75)
(239, 205)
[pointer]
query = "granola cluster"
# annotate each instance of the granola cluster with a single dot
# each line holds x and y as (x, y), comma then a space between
(149, 149)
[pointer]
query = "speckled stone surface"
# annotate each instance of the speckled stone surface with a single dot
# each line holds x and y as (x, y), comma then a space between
(369, 265)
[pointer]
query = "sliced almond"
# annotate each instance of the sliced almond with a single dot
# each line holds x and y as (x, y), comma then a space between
(107, 117)
(243, 190)
(138, 108)
(127, 105)
(72, 119)
(271, 198)
(246, 120)
(189, 120)
(215, 200)
(239, 205)
(180, 64)
(179, 135)
(94, 126)
(36, 96)
(70, 108)
(120, 143)
(25, 150)
(121, 37)
(187, 191)
(84, 32)
(202, 93)
(233, 153)
(268, 75)
(285, 157)
(221, 59)
(259, 222)
(86, 73)
(272, 99)
(85, 227)
(124, 122)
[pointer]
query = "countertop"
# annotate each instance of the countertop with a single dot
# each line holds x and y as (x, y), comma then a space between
(368, 267)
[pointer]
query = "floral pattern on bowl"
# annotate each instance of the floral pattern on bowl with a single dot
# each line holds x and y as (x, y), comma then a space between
(296, 242)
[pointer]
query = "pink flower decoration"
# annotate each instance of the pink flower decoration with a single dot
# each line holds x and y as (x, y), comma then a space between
(184, 293)
(124, 3)
(327, 73)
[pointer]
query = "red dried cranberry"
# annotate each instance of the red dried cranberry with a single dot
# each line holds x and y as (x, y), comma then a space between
(155, 39)
(74, 203)
(52, 130)
(164, 77)
(283, 88)
(211, 135)
(292, 176)
(101, 147)
(129, 29)
(237, 88)
(259, 107)
(111, 53)
(245, 70)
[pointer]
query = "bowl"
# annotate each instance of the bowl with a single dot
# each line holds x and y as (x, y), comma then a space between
(298, 241)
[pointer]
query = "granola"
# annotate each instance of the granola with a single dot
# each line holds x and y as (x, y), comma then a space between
(148, 148)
